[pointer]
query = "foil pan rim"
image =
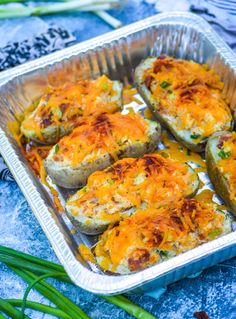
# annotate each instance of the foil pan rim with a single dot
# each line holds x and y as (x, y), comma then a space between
(100, 40)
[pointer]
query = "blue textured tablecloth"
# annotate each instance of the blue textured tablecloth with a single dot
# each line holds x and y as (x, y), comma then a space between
(213, 291)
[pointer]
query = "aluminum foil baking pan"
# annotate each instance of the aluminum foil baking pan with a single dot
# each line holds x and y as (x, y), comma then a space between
(117, 53)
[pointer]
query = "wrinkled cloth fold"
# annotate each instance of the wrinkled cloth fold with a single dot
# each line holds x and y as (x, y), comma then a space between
(221, 14)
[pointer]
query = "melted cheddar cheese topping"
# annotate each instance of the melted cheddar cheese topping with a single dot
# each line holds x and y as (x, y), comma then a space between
(106, 133)
(130, 184)
(156, 234)
(190, 95)
(227, 163)
(66, 104)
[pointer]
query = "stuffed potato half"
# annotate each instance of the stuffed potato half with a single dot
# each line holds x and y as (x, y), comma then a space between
(97, 143)
(221, 166)
(60, 109)
(185, 97)
(154, 235)
(125, 187)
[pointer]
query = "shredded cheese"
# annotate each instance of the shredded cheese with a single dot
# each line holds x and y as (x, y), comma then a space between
(65, 105)
(106, 133)
(190, 93)
(148, 181)
(173, 230)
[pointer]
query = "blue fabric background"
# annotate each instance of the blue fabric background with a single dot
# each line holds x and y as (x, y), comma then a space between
(213, 291)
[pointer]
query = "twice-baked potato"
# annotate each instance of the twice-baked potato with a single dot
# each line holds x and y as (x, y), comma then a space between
(60, 109)
(221, 166)
(125, 187)
(97, 143)
(153, 235)
(185, 97)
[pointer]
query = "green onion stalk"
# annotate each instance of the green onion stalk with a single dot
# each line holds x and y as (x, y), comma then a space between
(29, 267)
(39, 307)
(60, 6)
(9, 310)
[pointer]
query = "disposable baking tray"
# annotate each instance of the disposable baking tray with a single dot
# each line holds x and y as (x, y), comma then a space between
(116, 54)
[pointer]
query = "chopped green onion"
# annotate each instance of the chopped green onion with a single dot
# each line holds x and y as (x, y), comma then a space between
(84, 189)
(57, 112)
(104, 86)
(195, 136)
(56, 149)
(165, 154)
(171, 96)
(39, 307)
(164, 84)
(164, 253)
(214, 233)
(110, 181)
(222, 154)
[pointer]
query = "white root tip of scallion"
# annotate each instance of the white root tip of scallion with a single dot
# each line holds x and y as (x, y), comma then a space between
(115, 23)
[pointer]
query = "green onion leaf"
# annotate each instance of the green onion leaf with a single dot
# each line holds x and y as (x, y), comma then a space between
(110, 181)
(129, 307)
(32, 284)
(2, 317)
(222, 154)
(104, 86)
(9, 310)
(39, 307)
(164, 84)
(52, 294)
(165, 154)
(56, 149)
(171, 96)
(195, 136)
(214, 233)
(84, 189)
(164, 253)
(19, 262)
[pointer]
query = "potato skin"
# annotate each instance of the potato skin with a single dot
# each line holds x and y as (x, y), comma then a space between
(91, 225)
(88, 227)
(182, 136)
(52, 133)
(217, 178)
(76, 177)
(139, 240)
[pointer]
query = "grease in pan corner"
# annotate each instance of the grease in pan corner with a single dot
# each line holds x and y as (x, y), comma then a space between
(127, 186)
(96, 143)
(186, 97)
(154, 235)
(221, 166)
(61, 108)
